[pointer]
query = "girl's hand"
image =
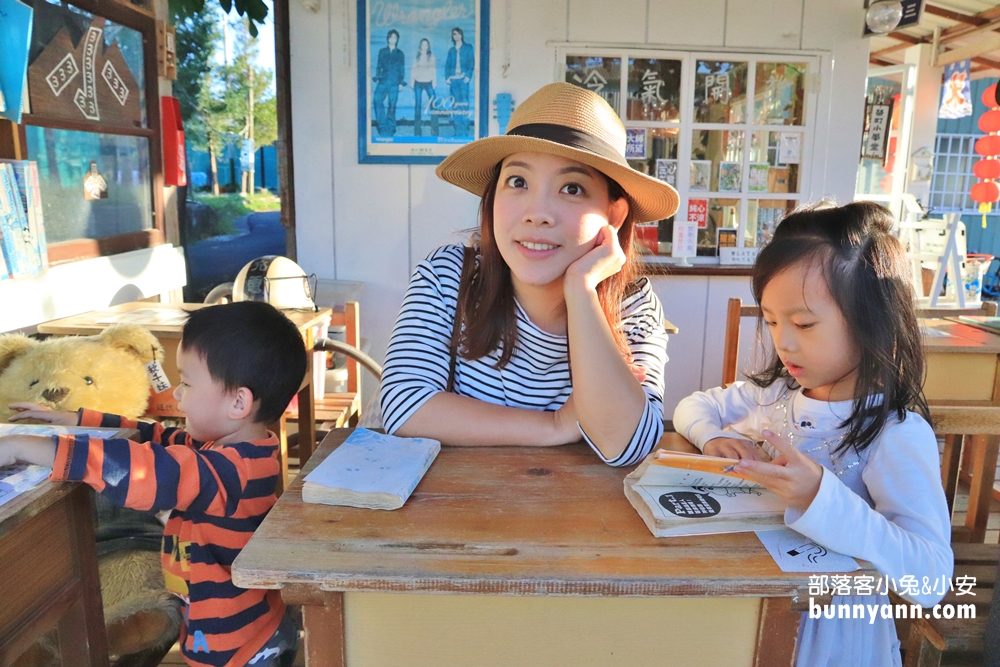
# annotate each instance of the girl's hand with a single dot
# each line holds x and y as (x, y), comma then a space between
(793, 476)
(605, 259)
(26, 411)
(34, 449)
(733, 448)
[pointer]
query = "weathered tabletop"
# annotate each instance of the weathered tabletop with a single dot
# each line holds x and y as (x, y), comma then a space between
(502, 520)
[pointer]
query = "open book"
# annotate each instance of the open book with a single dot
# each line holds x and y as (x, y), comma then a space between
(370, 470)
(691, 494)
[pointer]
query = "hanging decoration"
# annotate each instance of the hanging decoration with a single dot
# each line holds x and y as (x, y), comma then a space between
(986, 192)
(956, 91)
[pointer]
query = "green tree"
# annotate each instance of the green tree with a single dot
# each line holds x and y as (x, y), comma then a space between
(248, 96)
(254, 10)
(197, 38)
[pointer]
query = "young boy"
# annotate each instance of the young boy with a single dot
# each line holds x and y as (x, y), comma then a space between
(240, 364)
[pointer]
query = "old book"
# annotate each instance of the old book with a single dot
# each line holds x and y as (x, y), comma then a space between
(26, 180)
(370, 470)
(690, 494)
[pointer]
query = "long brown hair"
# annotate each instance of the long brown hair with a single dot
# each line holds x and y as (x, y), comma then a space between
(486, 311)
(867, 274)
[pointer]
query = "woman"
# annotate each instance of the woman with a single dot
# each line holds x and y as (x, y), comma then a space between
(480, 354)
(423, 79)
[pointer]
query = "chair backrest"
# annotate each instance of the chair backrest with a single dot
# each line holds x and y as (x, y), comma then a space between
(973, 434)
(736, 310)
(350, 318)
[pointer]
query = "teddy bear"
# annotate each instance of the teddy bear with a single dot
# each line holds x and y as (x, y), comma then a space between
(105, 372)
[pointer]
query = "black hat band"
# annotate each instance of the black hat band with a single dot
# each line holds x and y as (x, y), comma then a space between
(567, 136)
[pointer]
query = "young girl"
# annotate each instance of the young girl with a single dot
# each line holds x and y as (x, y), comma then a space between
(841, 411)
(481, 352)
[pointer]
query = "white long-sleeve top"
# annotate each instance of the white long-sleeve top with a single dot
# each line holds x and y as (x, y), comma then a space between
(886, 505)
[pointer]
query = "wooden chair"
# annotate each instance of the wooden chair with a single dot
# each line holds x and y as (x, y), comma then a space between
(339, 408)
(973, 433)
(736, 310)
(930, 638)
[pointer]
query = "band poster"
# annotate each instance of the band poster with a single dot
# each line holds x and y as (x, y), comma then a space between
(423, 72)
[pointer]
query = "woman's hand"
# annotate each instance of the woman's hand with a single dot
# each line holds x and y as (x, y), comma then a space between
(26, 411)
(793, 476)
(733, 448)
(602, 261)
(567, 428)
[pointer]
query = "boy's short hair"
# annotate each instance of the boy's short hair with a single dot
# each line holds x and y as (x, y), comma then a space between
(250, 344)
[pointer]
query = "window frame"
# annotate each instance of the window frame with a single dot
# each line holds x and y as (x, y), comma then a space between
(142, 21)
(687, 126)
(941, 173)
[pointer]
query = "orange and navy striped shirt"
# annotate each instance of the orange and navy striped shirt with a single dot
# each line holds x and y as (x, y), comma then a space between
(218, 497)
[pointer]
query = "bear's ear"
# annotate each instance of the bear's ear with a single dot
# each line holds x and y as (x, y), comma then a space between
(12, 346)
(133, 339)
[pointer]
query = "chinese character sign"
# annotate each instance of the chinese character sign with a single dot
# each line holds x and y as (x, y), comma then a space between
(877, 135)
(717, 87)
(956, 91)
(422, 76)
(697, 212)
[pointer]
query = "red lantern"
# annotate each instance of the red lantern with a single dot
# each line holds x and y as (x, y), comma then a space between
(988, 145)
(990, 121)
(986, 191)
(987, 169)
(989, 97)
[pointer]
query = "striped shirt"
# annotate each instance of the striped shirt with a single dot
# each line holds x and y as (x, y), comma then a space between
(219, 496)
(537, 376)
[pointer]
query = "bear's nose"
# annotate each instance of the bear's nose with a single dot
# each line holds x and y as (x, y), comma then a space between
(55, 395)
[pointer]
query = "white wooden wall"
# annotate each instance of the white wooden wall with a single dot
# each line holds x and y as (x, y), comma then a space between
(373, 223)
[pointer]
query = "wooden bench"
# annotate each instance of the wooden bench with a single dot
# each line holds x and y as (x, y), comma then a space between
(930, 638)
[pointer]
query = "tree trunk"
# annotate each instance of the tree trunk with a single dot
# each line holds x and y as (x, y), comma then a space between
(215, 167)
(250, 131)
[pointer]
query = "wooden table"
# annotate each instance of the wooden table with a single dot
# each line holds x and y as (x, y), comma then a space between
(962, 366)
(560, 567)
(161, 320)
(50, 578)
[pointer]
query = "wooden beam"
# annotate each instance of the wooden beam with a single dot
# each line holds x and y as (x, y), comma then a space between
(881, 62)
(949, 14)
(976, 49)
(986, 63)
(903, 37)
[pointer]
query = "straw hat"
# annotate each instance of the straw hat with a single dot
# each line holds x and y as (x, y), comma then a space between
(575, 123)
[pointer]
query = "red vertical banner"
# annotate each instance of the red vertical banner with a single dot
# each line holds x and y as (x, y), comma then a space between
(174, 158)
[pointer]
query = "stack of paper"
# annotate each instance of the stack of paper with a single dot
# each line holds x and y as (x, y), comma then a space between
(370, 470)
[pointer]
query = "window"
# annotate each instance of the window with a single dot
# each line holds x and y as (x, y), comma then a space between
(93, 126)
(729, 131)
(953, 177)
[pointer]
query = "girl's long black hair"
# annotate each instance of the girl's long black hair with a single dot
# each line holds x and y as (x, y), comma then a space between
(867, 274)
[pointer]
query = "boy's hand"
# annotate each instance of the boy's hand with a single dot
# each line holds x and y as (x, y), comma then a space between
(733, 448)
(35, 449)
(793, 476)
(26, 411)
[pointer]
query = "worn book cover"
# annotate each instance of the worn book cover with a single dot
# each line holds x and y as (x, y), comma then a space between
(370, 470)
(690, 494)
(26, 180)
